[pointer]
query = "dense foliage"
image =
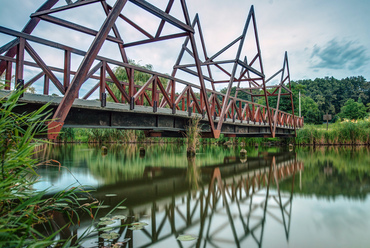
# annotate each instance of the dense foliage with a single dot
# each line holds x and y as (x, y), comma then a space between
(320, 96)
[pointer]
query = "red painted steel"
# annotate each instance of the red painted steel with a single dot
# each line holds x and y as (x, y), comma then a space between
(160, 90)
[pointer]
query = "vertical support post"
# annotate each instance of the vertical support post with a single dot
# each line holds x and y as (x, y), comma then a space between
(188, 100)
(131, 86)
(103, 75)
(67, 69)
(132, 103)
(20, 86)
(154, 94)
(241, 111)
(8, 75)
(155, 106)
(214, 106)
(173, 95)
(20, 59)
(300, 104)
(46, 85)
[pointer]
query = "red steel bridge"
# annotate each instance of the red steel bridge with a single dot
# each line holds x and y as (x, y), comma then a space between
(163, 104)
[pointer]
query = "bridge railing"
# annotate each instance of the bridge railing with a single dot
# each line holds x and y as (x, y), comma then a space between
(159, 91)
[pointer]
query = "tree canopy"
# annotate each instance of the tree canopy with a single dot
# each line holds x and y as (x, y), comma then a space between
(322, 95)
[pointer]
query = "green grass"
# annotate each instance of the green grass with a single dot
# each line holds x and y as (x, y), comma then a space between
(340, 133)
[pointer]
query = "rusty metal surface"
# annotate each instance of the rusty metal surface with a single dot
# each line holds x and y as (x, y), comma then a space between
(177, 94)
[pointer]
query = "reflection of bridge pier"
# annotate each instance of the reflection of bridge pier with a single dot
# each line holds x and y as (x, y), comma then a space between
(229, 207)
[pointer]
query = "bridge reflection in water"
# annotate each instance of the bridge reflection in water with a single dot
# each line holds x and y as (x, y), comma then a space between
(224, 205)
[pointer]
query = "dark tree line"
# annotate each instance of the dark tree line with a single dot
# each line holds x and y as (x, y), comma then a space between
(321, 95)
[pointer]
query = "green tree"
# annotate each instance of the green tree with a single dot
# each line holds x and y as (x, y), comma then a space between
(140, 78)
(353, 110)
(310, 111)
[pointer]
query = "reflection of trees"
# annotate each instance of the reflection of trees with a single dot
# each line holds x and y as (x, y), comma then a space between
(193, 173)
(335, 171)
(123, 162)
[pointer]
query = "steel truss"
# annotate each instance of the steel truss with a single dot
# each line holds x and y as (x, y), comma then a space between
(212, 105)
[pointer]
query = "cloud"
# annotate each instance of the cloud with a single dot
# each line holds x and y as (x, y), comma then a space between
(339, 55)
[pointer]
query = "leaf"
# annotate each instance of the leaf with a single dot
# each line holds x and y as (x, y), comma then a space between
(186, 238)
(103, 206)
(139, 224)
(106, 222)
(121, 207)
(111, 235)
(119, 217)
(61, 204)
(110, 195)
(105, 218)
(136, 228)
(81, 199)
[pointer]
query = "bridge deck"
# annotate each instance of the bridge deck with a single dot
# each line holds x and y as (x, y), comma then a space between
(90, 114)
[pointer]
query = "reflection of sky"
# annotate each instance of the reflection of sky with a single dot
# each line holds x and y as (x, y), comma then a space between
(63, 179)
(322, 223)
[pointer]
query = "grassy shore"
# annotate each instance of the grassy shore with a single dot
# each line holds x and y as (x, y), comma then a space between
(340, 133)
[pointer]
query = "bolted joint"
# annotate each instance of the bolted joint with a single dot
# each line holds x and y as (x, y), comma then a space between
(20, 86)
(132, 103)
(103, 99)
(155, 107)
(190, 109)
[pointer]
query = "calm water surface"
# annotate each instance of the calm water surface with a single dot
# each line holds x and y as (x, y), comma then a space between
(273, 198)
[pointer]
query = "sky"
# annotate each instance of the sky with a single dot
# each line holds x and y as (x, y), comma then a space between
(322, 38)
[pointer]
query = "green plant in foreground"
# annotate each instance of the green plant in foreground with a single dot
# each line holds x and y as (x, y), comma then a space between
(21, 207)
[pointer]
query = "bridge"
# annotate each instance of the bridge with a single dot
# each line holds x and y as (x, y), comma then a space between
(161, 104)
(240, 194)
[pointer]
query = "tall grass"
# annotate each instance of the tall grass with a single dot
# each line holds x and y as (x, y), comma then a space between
(21, 208)
(108, 135)
(193, 135)
(341, 133)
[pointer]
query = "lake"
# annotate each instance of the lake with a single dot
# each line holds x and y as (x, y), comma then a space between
(273, 197)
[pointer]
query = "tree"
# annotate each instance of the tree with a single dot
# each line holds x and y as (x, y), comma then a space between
(140, 78)
(353, 110)
(310, 111)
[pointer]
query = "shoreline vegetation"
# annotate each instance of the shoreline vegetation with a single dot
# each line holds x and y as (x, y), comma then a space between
(346, 132)
(29, 218)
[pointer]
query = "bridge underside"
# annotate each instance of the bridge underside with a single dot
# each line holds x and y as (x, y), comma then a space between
(163, 123)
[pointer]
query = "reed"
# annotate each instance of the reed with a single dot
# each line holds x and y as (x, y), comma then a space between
(193, 136)
(21, 207)
(340, 133)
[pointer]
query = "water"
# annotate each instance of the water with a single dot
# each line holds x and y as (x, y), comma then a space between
(273, 198)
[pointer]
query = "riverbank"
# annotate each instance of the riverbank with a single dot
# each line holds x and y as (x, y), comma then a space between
(340, 133)
(89, 135)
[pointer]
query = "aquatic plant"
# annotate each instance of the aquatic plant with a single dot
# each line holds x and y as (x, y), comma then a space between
(193, 135)
(21, 207)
